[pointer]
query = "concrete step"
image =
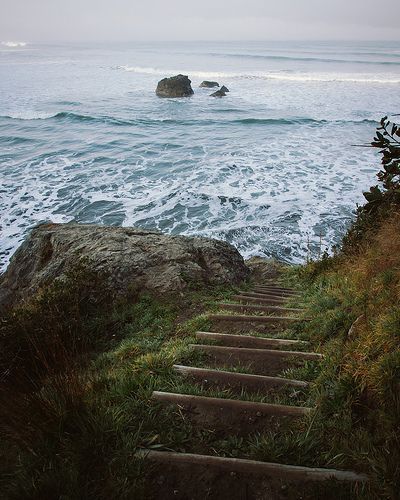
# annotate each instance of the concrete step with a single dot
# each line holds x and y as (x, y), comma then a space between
(237, 381)
(242, 318)
(229, 415)
(259, 361)
(234, 466)
(258, 308)
(233, 340)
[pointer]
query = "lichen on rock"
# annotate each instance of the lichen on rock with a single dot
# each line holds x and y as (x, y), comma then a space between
(131, 258)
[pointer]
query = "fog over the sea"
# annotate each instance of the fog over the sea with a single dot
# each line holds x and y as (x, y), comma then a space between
(123, 20)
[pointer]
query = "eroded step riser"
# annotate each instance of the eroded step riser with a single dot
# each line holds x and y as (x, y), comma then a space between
(227, 339)
(228, 415)
(258, 361)
(238, 382)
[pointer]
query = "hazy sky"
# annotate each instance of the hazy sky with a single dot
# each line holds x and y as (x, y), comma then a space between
(104, 20)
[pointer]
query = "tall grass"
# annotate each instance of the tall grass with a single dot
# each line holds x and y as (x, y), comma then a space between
(354, 299)
(77, 369)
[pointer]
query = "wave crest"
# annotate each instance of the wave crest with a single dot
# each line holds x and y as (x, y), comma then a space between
(300, 77)
(76, 117)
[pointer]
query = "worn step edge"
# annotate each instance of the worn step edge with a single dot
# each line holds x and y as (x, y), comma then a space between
(232, 404)
(260, 300)
(249, 339)
(244, 466)
(275, 284)
(258, 352)
(253, 318)
(238, 307)
(276, 299)
(283, 288)
(268, 294)
(277, 294)
(276, 290)
(243, 379)
(271, 294)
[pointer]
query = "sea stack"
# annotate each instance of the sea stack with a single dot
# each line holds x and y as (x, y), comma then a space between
(209, 85)
(176, 86)
(218, 93)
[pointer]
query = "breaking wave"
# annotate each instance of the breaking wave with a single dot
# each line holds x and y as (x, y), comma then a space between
(76, 117)
(300, 77)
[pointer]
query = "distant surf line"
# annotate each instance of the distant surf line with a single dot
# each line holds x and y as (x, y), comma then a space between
(259, 75)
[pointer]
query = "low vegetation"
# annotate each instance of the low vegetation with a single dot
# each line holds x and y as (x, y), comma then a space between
(77, 372)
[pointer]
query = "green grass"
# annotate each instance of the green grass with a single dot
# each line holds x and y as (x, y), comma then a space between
(88, 393)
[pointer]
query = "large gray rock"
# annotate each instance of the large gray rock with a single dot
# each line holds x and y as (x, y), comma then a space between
(176, 86)
(130, 258)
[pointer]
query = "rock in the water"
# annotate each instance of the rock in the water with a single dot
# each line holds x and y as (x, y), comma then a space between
(130, 258)
(224, 89)
(209, 85)
(176, 86)
(218, 93)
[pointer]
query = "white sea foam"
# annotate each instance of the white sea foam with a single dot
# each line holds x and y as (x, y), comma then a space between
(28, 115)
(14, 44)
(266, 169)
(298, 77)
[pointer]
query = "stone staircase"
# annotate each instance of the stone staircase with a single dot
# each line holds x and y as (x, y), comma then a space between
(244, 357)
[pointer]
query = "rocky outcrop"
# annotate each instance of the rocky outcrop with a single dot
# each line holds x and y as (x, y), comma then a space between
(129, 258)
(209, 85)
(224, 89)
(218, 93)
(176, 86)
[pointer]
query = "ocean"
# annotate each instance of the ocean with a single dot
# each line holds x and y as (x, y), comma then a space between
(271, 168)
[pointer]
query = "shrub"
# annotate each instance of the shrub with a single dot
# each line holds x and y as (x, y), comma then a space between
(384, 198)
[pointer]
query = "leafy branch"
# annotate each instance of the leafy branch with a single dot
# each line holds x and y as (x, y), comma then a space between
(387, 141)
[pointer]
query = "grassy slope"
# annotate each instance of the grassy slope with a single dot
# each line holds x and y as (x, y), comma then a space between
(71, 429)
(355, 304)
(74, 431)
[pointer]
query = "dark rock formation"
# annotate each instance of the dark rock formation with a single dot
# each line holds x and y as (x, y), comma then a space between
(130, 258)
(218, 93)
(176, 86)
(209, 85)
(224, 89)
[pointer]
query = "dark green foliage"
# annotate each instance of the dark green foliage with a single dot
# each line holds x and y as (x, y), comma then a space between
(48, 334)
(382, 199)
(77, 371)
(390, 149)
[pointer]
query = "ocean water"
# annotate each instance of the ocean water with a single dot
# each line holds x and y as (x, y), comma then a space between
(270, 168)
